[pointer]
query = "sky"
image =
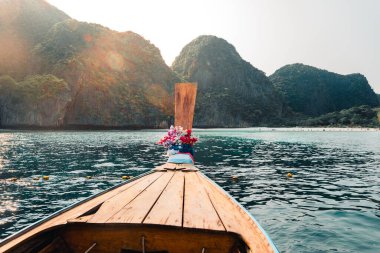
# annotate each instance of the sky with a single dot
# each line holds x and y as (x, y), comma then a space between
(341, 36)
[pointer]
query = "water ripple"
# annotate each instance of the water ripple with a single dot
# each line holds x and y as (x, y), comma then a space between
(333, 197)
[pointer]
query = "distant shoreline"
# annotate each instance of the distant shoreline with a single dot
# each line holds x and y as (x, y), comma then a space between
(137, 128)
(301, 129)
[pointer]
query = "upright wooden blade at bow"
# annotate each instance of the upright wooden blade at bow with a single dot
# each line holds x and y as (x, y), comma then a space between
(185, 94)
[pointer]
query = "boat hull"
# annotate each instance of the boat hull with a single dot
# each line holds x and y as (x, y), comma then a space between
(174, 208)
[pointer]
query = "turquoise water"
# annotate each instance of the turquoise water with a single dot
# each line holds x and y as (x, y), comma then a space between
(332, 203)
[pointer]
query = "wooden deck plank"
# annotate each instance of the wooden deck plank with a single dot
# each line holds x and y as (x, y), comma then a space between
(198, 209)
(205, 206)
(71, 214)
(81, 219)
(116, 203)
(113, 238)
(235, 219)
(138, 208)
(168, 208)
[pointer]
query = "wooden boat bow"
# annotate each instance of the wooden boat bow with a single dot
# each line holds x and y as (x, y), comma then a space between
(175, 207)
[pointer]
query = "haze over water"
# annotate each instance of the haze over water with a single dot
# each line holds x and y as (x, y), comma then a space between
(332, 203)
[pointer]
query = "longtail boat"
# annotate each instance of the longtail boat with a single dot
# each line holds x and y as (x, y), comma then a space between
(173, 208)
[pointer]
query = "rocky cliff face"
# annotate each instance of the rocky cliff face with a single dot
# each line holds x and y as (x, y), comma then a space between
(38, 101)
(113, 79)
(231, 92)
(58, 72)
(314, 91)
(116, 79)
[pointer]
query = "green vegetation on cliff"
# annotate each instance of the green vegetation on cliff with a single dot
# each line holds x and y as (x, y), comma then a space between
(231, 92)
(115, 79)
(314, 91)
(38, 100)
(58, 72)
(363, 116)
(67, 39)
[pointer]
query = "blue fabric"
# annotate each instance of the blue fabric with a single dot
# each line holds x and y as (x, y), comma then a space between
(186, 148)
(180, 158)
(175, 147)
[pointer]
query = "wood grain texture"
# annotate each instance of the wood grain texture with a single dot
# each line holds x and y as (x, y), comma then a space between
(69, 214)
(198, 209)
(168, 208)
(185, 94)
(58, 245)
(235, 219)
(116, 203)
(136, 210)
(113, 238)
(176, 166)
(80, 219)
(180, 198)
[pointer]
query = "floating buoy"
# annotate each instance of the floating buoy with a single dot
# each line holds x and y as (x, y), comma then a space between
(45, 177)
(234, 178)
(89, 177)
(125, 177)
(290, 174)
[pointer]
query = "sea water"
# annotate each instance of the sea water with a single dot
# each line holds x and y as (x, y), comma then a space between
(331, 204)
